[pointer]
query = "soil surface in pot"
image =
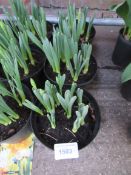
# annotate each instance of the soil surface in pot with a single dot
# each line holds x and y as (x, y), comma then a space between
(83, 78)
(63, 132)
(14, 127)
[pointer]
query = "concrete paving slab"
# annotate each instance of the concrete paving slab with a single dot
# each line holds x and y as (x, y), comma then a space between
(110, 151)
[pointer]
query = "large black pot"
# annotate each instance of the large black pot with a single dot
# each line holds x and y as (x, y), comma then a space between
(25, 130)
(126, 90)
(122, 52)
(85, 134)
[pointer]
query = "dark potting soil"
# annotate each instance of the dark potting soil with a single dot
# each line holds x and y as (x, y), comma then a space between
(63, 132)
(83, 78)
(14, 127)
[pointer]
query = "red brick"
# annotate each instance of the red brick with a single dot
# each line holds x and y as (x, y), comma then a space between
(98, 13)
(61, 3)
(108, 14)
(45, 3)
(100, 4)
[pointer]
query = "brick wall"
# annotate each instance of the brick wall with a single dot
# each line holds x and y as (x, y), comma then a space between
(100, 4)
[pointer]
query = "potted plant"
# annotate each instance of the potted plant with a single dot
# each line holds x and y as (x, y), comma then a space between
(23, 20)
(30, 60)
(126, 83)
(122, 52)
(74, 25)
(63, 116)
(14, 117)
(64, 57)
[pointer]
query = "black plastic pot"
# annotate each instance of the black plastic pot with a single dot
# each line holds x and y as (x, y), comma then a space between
(92, 33)
(37, 75)
(126, 90)
(83, 79)
(122, 52)
(25, 131)
(90, 129)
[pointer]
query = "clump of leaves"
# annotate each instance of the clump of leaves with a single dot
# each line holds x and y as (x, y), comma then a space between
(52, 97)
(65, 50)
(7, 115)
(22, 21)
(14, 91)
(81, 114)
(19, 49)
(73, 24)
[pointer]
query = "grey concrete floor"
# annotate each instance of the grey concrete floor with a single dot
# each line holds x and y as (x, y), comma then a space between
(110, 152)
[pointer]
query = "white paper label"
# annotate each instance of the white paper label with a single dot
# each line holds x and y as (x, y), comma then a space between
(66, 151)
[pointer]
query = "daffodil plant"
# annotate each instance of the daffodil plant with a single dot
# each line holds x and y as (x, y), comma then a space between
(14, 89)
(10, 68)
(7, 115)
(52, 97)
(65, 50)
(74, 23)
(81, 114)
(18, 49)
(22, 21)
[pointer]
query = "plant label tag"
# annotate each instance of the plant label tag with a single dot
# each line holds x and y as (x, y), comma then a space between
(66, 151)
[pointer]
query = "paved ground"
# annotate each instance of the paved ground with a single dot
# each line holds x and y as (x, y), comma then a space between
(110, 152)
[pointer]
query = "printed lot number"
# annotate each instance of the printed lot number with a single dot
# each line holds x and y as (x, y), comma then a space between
(66, 151)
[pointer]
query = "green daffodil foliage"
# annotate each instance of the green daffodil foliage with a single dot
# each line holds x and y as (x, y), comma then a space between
(73, 24)
(14, 89)
(7, 115)
(66, 51)
(53, 97)
(35, 21)
(16, 48)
